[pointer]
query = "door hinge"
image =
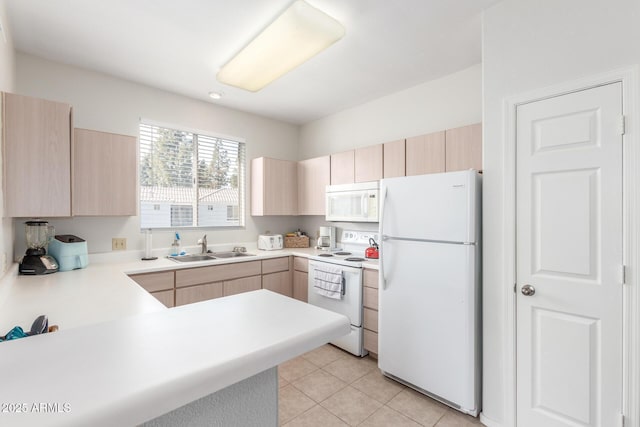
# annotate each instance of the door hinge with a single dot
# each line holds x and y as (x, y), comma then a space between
(621, 420)
(623, 274)
(622, 125)
(514, 287)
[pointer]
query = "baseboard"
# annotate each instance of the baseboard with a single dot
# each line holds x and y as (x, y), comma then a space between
(489, 422)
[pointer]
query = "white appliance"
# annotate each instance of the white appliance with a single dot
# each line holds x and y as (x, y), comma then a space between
(352, 202)
(348, 262)
(430, 301)
(270, 242)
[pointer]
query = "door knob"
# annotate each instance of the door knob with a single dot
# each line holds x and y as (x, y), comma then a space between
(528, 290)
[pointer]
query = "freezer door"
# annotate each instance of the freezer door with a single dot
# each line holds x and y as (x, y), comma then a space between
(429, 319)
(441, 206)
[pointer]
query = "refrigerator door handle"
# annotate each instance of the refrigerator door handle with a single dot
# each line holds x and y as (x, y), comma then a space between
(383, 238)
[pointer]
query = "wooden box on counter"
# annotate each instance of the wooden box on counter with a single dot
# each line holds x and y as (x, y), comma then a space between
(296, 242)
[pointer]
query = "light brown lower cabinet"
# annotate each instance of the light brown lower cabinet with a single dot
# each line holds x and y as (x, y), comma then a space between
(165, 297)
(160, 285)
(370, 302)
(198, 293)
(238, 286)
(276, 275)
(301, 278)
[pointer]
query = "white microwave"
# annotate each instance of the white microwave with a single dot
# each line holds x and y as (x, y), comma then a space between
(353, 202)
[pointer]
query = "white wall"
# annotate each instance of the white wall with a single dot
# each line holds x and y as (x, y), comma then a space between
(531, 44)
(445, 103)
(448, 102)
(7, 75)
(110, 104)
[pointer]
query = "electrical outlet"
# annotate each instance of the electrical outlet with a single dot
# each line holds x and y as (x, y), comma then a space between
(118, 244)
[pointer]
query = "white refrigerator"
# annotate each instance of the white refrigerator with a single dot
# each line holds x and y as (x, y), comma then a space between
(430, 300)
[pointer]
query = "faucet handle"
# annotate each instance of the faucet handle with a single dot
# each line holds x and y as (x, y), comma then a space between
(239, 249)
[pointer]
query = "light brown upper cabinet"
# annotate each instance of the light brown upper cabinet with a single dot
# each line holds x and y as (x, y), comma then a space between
(274, 188)
(464, 148)
(37, 157)
(394, 159)
(425, 154)
(343, 168)
(313, 177)
(104, 174)
(368, 163)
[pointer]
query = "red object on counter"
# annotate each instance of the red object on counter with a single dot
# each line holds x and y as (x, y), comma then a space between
(372, 251)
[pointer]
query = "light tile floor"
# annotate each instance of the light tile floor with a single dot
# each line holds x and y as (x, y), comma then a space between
(329, 387)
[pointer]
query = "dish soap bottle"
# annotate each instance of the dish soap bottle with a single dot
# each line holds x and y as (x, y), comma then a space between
(175, 246)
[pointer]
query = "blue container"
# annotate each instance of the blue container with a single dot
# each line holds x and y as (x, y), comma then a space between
(70, 251)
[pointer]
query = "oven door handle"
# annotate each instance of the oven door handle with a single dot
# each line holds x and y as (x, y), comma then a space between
(344, 284)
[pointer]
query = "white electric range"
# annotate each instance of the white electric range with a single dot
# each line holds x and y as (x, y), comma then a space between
(344, 267)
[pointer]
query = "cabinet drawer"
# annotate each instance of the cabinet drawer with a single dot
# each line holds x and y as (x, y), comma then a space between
(300, 264)
(370, 298)
(274, 265)
(371, 341)
(371, 319)
(238, 286)
(153, 282)
(216, 273)
(198, 293)
(278, 282)
(165, 297)
(370, 278)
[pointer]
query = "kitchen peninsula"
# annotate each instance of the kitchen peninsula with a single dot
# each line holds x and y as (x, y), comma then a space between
(121, 358)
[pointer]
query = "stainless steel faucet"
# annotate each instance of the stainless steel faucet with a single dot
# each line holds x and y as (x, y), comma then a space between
(203, 242)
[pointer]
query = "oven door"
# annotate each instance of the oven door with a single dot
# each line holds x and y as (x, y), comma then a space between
(351, 303)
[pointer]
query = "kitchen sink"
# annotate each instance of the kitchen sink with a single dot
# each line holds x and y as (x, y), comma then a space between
(231, 254)
(192, 258)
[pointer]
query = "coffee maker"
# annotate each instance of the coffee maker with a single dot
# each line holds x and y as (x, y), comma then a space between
(36, 260)
(326, 238)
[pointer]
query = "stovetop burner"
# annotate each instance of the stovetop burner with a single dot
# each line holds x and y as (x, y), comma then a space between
(354, 259)
(325, 255)
(343, 253)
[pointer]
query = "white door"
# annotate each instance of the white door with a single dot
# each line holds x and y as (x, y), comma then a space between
(569, 259)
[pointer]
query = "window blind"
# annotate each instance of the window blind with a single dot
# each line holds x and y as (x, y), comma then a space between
(189, 179)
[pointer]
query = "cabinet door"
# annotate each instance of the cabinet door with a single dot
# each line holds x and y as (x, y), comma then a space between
(238, 286)
(425, 154)
(368, 163)
(198, 293)
(104, 174)
(301, 286)
(313, 177)
(343, 168)
(274, 188)
(37, 157)
(165, 297)
(278, 282)
(394, 159)
(464, 148)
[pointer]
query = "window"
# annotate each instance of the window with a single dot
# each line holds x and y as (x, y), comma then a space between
(189, 179)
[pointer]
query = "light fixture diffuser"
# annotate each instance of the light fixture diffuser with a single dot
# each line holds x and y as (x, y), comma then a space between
(300, 33)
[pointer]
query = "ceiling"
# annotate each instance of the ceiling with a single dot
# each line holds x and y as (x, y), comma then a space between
(179, 46)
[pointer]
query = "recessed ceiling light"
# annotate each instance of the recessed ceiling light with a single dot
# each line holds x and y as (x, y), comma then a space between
(301, 32)
(215, 95)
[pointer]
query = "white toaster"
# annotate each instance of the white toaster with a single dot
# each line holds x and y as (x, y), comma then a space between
(270, 242)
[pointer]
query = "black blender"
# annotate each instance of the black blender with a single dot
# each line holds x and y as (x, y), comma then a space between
(36, 260)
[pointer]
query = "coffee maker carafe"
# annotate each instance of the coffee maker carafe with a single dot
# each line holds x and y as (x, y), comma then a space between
(326, 238)
(36, 260)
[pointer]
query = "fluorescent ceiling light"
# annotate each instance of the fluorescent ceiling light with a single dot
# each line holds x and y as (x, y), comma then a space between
(300, 33)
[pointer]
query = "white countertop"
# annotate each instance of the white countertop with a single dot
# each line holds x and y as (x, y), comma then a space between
(130, 370)
(121, 357)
